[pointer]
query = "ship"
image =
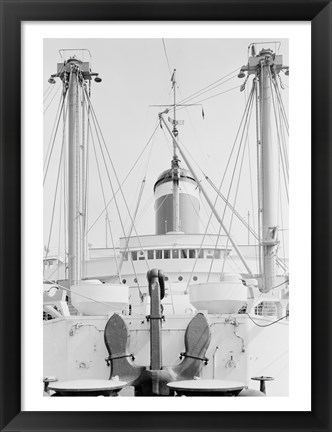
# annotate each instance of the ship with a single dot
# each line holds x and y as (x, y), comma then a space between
(184, 310)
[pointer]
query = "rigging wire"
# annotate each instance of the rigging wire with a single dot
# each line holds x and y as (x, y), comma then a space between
(54, 203)
(141, 296)
(241, 219)
(213, 96)
(237, 214)
(234, 204)
(282, 106)
(199, 92)
(52, 86)
(169, 68)
(83, 183)
(55, 134)
(125, 179)
(48, 88)
(138, 214)
(185, 104)
(221, 183)
(140, 192)
(286, 178)
(63, 151)
(252, 195)
(247, 119)
(282, 126)
(184, 188)
(95, 122)
(104, 199)
(258, 167)
(105, 164)
(115, 174)
(144, 208)
(51, 136)
(251, 181)
(60, 214)
(266, 325)
(282, 219)
(64, 113)
(247, 116)
(46, 96)
(58, 88)
(278, 125)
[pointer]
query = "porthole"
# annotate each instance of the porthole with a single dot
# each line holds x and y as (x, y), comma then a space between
(135, 280)
(124, 281)
(166, 278)
(180, 278)
(195, 278)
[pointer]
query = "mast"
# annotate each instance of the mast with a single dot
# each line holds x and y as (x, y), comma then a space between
(74, 249)
(201, 188)
(266, 66)
(269, 227)
(79, 74)
(175, 165)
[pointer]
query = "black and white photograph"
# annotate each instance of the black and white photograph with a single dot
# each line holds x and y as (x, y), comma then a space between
(166, 222)
(165, 167)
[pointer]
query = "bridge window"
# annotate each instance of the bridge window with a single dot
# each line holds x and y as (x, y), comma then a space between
(150, 254)
(184, 253)
(192, 253)
(167, 254)
(134, 255)
(200, 253)
(159, 254)
(217, 253)
(125, 256)
(141, 255)
(175, 253)
(209, 254)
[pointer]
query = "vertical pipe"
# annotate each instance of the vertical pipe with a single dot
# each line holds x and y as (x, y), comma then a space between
(155, 321)
(106, 220)
(73, 219)
(175, 166)
(176, 207)
(269, 181)
(83, 191)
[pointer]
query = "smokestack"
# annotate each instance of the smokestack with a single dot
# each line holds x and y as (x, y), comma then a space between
(188, 202)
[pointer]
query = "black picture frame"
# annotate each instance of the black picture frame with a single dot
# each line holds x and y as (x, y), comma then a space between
(13, 13)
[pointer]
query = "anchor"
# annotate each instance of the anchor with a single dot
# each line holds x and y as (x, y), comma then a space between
(117, 340)
(153, 381)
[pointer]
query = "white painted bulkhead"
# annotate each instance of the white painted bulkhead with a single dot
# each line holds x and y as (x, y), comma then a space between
(239, 350)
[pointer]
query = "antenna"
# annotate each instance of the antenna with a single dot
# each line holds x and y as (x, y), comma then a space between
(175, 169)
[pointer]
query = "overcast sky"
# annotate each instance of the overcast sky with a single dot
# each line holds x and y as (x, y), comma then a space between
(135, 74)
